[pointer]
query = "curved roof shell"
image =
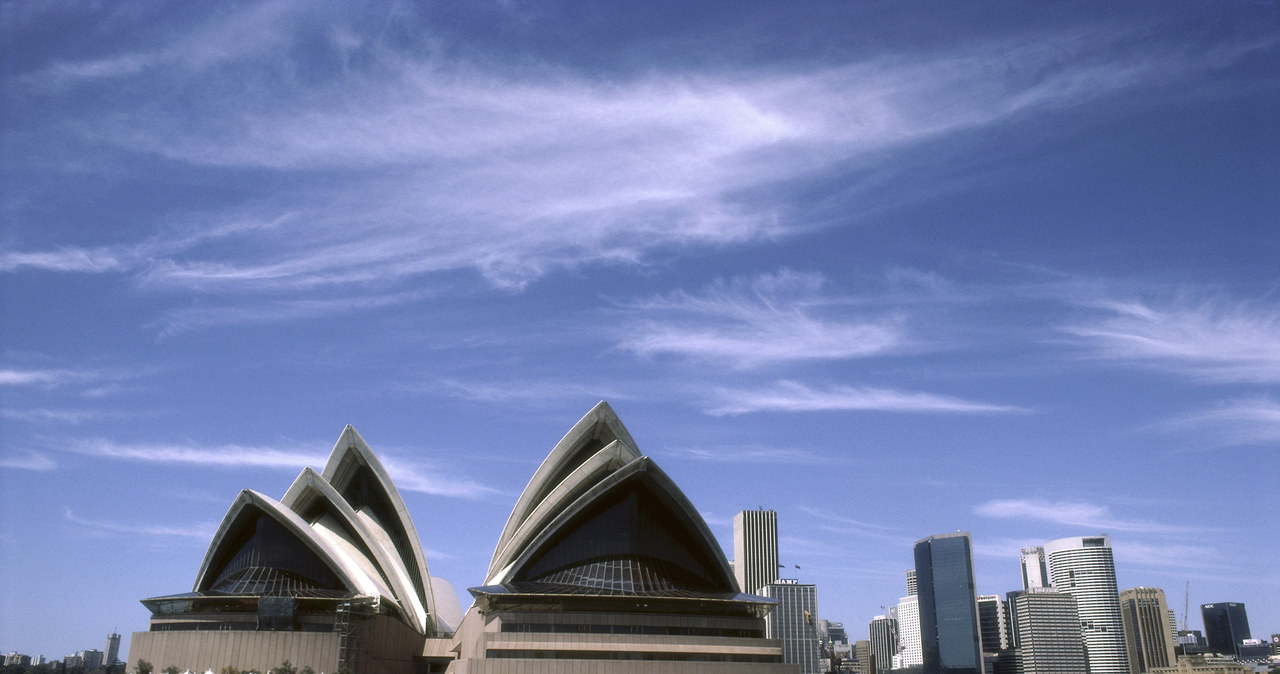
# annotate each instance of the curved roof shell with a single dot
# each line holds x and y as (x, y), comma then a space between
(343, 531)
(598, 514)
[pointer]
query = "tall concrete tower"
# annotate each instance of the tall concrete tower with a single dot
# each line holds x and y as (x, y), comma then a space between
(909, 631)
(883, 630)
(1084, 568)
(755, 549)
(792, 622)
(1145, 615)
(1034, 571)
(1046, 629)
(113, 649)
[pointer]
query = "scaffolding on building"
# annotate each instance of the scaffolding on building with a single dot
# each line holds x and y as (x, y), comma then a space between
(353, 655)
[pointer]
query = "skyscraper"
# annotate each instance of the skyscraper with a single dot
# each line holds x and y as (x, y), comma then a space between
(948, 605)
(755, 549)
(883, 630)
(792, 621)
(993, 625)
(862, 654)
(1034, 571)
(912, 588)
(1148, 640)
(909, 632)
(1046, 629)
(1225, 625)
(113, 649)
(1084, 568)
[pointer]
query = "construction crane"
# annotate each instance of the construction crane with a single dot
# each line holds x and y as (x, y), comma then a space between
(1186, 602)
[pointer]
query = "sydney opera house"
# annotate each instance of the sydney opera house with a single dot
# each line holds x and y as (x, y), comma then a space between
(603, 566)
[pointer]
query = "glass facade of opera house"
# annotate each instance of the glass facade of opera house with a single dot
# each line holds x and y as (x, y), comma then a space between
(603, 565)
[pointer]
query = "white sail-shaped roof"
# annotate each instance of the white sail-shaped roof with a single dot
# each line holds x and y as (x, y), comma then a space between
(245, 512)
(316, 501)
(595, 479)
(596, 429)
(356, 474)
(341, 532)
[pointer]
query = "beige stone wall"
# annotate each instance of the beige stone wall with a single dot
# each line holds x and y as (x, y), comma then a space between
(199, 651)
(613, 667)
(480, 632)
(388, 646)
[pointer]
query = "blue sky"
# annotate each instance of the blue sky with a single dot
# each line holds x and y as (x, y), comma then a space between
(891, 270)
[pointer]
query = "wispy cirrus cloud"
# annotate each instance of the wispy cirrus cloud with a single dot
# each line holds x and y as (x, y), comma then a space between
(200, 531)
(847, 527)
(417, 476)
(766, 455)
(27, 461)
(279, 310)
(219, 456)
(750, 322)
(1212, 341)
(46, 378)
(791, 396)
(833, 518)
(418, 165)
(527, 390)
(1171, 555)
(87, 383)
(1250, 421)
(67, 259)
(1090, 516)
(407, 474)
(1001, 548)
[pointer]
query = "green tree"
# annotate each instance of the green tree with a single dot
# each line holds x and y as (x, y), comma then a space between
(285, 668)
(172, 669)
(229, 670)
(306, 669)
(143, 667)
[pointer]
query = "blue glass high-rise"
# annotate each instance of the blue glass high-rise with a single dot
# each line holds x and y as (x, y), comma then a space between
(949, 634)
(1226, 624)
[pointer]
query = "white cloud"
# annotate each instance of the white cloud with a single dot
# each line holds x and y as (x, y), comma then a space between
(1088, 516)
(201, 531)
(1176, 555)
(418, 477)
(417, 165)
(1001, 548)
(277, 311)
(69, 259)
(43, 377)
(790, 396)
(27, 461)
(528, 390)
(1211, 341)
(831, 517)
(87, 383)
(1253, 421)
(844, 528)
(223, 456)
(766, 455)
(407, 475)
(750, 322)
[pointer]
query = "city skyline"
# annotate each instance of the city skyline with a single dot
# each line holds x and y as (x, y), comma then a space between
(887, 273)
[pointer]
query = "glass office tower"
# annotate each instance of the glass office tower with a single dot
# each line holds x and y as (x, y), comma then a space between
(1225, 625)
(949, 637)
